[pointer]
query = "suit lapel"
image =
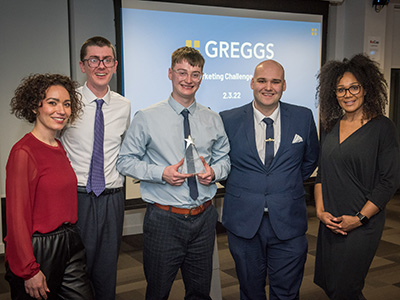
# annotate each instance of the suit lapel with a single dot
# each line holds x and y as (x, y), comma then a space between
(250, 133)
(285, 126)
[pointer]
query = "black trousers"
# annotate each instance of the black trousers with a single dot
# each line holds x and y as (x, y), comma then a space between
(100, 223)
(62, 260)
(172, 242)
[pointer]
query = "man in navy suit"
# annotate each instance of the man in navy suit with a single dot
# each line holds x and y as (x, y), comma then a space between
(264, 207)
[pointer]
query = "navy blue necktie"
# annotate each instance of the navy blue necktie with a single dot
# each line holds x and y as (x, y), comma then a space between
(269, 142)
(96, 181)
(194, 193)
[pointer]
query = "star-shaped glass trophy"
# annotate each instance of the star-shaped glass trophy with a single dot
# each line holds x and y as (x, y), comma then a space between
(192, 163)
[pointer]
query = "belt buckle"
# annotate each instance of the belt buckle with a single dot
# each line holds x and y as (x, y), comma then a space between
(190, 211)
(201, 208)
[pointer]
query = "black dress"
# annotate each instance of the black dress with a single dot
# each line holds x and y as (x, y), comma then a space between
(363, 167)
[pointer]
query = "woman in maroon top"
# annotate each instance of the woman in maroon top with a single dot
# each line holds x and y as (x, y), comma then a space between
(45, 258)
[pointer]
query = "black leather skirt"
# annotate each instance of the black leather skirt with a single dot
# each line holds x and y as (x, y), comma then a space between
(62, 260)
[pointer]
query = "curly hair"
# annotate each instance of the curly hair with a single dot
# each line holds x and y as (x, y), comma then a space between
(32, 90)
(366, 72)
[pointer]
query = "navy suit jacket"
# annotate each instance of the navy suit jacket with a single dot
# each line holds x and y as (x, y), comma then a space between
(251, 186)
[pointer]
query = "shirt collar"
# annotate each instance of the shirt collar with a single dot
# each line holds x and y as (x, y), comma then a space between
(90, 97)
(178, 108)
(258, 116)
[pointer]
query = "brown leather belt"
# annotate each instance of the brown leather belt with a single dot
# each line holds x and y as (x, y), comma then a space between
(185, 211)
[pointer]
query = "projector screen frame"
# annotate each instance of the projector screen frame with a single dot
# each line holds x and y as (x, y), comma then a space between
(313, 7)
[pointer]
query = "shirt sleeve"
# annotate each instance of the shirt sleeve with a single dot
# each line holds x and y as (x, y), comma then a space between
(128, 122)
(388, 167)
(131, 160)
(220, 161)
(21, 183)
(311, 153)
(318, 178)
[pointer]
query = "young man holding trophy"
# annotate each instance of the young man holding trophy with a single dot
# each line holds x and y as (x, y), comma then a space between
(178, 149)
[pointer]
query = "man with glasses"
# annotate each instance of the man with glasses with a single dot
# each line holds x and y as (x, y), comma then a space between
(92, 144)
(179, 225)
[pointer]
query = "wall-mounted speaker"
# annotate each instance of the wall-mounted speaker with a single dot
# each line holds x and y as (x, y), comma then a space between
(379, 4)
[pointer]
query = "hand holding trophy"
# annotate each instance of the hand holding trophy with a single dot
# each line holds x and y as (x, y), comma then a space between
(192, 163)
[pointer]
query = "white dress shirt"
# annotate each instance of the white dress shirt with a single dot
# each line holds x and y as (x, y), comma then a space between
(260, 130)
(78, 137)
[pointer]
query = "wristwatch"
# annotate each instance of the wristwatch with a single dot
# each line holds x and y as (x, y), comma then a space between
(363, 219)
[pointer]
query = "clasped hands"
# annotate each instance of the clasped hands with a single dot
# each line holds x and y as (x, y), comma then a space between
(339, 225)
(172, 176)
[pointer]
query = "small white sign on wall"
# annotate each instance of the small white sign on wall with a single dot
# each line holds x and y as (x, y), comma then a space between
(374, 48)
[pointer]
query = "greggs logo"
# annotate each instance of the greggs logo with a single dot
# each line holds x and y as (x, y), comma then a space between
(223, 49)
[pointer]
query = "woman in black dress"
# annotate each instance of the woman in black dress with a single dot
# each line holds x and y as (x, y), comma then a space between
(358, 173)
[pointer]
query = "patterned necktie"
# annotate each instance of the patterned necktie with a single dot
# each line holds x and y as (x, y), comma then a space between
(194, 193)
(269, 142)
(96, 181)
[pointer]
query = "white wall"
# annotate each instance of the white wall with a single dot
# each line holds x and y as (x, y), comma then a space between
(38, 37)
(89, 18)
(43, 36)
(395, 31)
(352, 25)
(28, 44)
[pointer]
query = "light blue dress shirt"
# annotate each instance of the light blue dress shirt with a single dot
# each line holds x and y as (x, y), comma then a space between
(155, 140)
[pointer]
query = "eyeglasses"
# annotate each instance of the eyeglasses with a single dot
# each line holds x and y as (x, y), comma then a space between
(195, 76)
(353, 90)
(94, 62)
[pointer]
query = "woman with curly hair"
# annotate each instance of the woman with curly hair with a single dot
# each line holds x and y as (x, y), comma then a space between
(358, 173)
(45, 258)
